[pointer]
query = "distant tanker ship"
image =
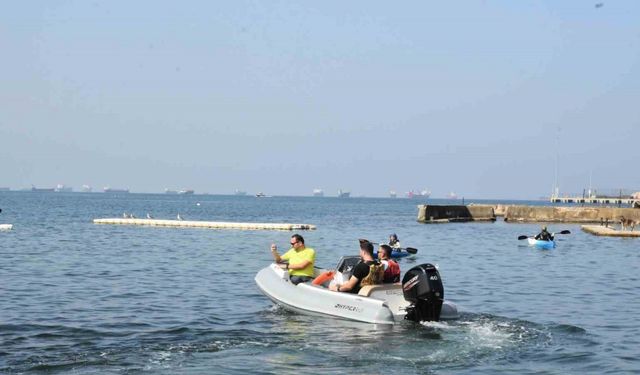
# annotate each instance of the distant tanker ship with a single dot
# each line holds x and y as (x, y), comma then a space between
(423, 194)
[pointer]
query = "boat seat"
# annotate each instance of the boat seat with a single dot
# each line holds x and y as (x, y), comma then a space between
(366, 290)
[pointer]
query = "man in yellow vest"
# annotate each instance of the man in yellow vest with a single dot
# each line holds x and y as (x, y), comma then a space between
(300, 260)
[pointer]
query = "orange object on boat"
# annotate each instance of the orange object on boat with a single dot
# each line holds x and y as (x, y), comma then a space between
(323, 277)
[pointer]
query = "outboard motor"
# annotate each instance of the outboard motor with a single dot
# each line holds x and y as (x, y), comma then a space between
(422, 287)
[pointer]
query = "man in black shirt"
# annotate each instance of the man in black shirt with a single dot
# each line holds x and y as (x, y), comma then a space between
(361, 271)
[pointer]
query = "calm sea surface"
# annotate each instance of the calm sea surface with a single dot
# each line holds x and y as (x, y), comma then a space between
(81, 298)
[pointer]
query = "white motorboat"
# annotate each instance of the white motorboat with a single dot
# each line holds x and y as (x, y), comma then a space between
(418, 298)
(6, 226)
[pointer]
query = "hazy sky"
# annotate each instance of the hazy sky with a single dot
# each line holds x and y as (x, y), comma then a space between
(476, 97)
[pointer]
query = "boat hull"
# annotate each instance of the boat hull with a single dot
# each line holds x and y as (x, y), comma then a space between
(541, 244)
(385, 305)
(394, 254)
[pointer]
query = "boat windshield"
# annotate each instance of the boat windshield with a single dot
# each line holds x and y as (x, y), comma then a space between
(347, 262)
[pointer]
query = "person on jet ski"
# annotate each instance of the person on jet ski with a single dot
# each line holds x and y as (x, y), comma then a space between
(544, 235)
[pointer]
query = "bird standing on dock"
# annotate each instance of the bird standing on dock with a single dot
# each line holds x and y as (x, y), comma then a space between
(179, 217)
(125, 215)
(149, 216)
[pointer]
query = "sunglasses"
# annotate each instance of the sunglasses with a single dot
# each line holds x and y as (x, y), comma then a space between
(293, 243)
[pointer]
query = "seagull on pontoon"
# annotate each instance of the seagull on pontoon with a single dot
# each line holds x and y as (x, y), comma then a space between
(149, 216)
(125, 215)
(179, 217)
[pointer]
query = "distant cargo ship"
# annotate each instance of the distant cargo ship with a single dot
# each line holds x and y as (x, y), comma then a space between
(423, 194)
(114, 190)
(33, 188)
(343, 194)
(186, 192)
(167, 191)
(86, 189)
(318, 193)
(392, 194)
(63, 189)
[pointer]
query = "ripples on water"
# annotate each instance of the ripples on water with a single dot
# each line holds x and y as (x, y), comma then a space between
(83, 298)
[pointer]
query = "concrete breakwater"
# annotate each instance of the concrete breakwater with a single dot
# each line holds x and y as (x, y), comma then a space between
(446, 214)
(569, 214)
(521, 213)
(205, 224)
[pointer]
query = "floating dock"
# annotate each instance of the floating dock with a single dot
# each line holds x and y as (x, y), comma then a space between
(6, 226)
(600, 230)
(204, 224)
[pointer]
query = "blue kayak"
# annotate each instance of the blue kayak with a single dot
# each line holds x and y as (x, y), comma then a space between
(394, 254)
(540, 244)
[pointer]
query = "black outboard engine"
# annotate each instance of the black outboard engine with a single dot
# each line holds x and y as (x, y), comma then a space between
(422, 287)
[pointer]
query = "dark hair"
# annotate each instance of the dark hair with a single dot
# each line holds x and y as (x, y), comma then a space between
(366, 246)
(298, 238)
(387, 250)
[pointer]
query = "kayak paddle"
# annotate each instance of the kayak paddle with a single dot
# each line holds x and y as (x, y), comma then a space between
(411, 250)
(523, 237)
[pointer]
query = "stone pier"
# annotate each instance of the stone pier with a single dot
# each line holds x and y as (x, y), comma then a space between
(428, 213)
(600, 230)
(569, 214)
(526, 214)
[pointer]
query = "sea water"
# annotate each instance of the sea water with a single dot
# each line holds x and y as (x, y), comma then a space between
(80, 298)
